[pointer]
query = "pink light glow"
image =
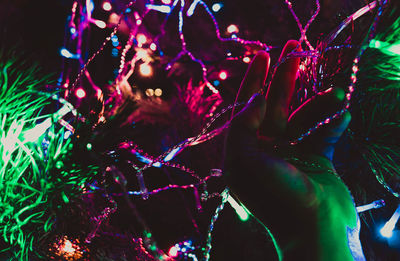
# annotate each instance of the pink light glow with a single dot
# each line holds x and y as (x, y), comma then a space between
(232, 29)
(167, 2)
(173, 251)
(223, 75)
(80, 93)
(107, 6)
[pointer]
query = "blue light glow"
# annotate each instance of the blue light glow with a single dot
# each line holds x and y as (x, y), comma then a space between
(67, 54)
(387, 229)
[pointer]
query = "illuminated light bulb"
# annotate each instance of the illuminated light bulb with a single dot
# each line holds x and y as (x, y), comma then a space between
(246, 59)
(158, 92)
(153, 46)
(173, 251)
(113, 19)
(80, 93)
(141, 38)
(67, 54)
(100, 24)
(145, 70)
(160, 8)
(192, 7)
(33, 134)
(387, 229)
(67, 247)
(167, 2)
(90, 6)
(67, 134)
(240, 211)
(149, 92)
(141, 54)
(216, 7)
(376, 204)
(107, 6)
(232, 29)
(223, 75)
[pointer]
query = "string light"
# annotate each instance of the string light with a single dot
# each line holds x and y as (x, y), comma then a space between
(146, 70)
(80, 93)
(100, 24)
(107, 6)
(67, 54)
(387, 229)
(240, 211)
(232, 29)
(223, 75)
(376, 204)
(217, 7)
(158, 92)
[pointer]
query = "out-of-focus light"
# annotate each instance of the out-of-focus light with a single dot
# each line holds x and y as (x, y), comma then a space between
(80, 93)
(153, 46)
(232, 29)
(158, 92)
(113, 18)
(114, 52)
(240, 211)
(387, 229)
(145, 70)
(100, 24)
(246, 59)
(72, 30)
(160, 8)
(67, 247)
(149, 92)
(192, 7)
(90, 6)
(67, 134)
(167, 2)
(223, 75)
(138, 22)
(141, 54)
(107, 6)
(141, 38)
(173, 251)
(67, 54)
(216, 7)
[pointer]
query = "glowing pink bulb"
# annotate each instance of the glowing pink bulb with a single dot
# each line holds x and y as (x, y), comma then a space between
(223, 75)
(232, 29)
(141, 38)
(173, 251)
(153, 46)
(246, 59)
(80, 93)
(107, 6)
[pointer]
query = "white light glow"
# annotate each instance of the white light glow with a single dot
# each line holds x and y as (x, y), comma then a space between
(240, 211)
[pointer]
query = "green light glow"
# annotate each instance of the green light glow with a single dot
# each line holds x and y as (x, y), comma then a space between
(34, 178)
(391, 49)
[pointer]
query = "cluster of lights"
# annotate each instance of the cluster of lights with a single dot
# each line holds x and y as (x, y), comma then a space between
(183, 250)
(67, 249)
(146, 70)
